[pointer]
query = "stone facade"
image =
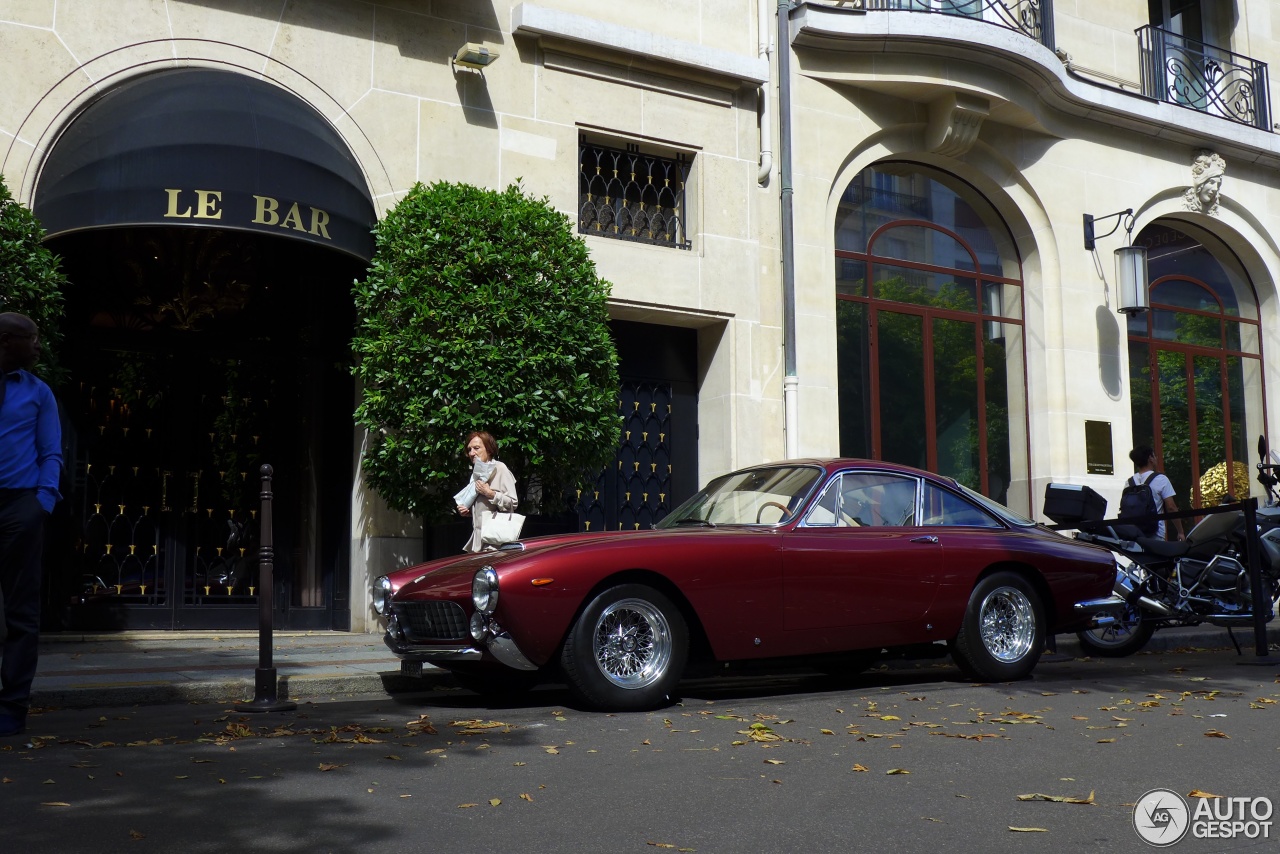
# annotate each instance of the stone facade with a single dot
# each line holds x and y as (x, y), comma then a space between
(1044, 132)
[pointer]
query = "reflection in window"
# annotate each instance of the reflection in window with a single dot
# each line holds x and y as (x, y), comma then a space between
(946, 508)
(1194, 367)
(929, 339)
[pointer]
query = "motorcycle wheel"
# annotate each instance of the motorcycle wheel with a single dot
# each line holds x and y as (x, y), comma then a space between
(1122, 638)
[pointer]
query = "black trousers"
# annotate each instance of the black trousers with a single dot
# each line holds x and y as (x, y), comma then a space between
(21, 542)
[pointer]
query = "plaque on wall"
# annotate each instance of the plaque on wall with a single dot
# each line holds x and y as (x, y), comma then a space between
(1097, 448)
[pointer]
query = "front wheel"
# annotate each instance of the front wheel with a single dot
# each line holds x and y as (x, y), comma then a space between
(1003, 630)
(1128, 634)
(627, 650)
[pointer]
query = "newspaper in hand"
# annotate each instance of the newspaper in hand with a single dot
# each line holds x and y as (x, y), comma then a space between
(480, 471)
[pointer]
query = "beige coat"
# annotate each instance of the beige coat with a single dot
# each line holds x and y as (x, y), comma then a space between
(504, 501)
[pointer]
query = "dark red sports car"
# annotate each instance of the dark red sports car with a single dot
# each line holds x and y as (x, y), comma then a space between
(835, 561)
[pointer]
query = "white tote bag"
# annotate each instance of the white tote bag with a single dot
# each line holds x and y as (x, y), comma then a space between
(501, 528)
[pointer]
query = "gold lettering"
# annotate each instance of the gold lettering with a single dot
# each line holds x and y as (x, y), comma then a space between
(265, 211)
(320, 223)
(207, 204)
(172, 212)
(293, 219)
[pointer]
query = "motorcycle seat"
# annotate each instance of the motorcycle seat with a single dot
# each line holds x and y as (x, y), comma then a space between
(1163, 548)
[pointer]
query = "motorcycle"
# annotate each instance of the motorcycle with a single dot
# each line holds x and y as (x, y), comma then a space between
(1204, 579)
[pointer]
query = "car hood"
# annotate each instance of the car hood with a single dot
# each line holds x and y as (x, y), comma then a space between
(452, 576)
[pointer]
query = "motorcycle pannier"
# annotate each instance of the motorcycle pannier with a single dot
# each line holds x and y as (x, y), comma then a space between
(1069, 503)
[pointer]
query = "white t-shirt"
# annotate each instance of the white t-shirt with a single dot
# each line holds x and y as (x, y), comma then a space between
(1162, 488)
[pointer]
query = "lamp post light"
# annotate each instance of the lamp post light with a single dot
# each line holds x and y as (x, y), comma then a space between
(1131, 279)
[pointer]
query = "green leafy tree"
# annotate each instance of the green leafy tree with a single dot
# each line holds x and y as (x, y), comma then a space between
(482, 310)
(31, 280)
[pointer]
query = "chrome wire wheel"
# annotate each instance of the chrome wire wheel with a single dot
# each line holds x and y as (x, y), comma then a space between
(1007, 624)
(632, 643)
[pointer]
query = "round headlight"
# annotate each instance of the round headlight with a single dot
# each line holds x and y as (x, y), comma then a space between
(381, 594)
(484, 590)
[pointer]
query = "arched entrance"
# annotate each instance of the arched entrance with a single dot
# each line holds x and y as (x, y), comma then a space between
(1195, 365)
(211, 226)
(929, 326)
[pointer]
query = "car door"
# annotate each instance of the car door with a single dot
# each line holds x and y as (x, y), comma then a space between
(859, 562)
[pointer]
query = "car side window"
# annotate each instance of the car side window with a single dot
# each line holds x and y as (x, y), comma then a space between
(825, 509)
(876, 500)
(947, 508)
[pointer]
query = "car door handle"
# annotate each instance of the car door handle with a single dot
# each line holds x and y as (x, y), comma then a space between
(927, 538)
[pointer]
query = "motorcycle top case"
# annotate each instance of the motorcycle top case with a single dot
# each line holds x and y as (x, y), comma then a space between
(1070, 503)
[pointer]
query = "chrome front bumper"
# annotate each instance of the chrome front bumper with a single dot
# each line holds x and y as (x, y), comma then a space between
(496, 641)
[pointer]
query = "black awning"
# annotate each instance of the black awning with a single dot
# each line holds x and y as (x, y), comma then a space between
(203, 148)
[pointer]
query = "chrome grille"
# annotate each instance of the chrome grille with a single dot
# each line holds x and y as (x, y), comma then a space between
(431, 620)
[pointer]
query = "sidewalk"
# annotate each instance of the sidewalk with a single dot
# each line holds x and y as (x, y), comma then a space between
(128, 668)
(138, 668)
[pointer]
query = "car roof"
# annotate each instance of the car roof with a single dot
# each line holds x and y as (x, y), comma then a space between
(833, 464)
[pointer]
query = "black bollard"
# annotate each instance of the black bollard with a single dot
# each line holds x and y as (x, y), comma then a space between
(265, 692)
(1261, 600)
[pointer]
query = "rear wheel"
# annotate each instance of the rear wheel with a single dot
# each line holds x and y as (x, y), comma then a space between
(1128, 634)
(627, 650)
(1003, 630)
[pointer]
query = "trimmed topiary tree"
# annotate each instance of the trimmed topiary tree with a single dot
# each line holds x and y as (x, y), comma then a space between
(31, 280)
(482, 310)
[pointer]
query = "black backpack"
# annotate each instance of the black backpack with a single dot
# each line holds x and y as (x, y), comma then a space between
(1139, 499)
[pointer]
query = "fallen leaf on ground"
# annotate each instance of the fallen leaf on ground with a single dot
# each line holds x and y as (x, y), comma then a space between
(55, 804)
(860, 767)
(1057, 799)
(467, 806)
(1028, 829)
(137, 834)
(1196, 793)
(1215, 733)
(493, 802)
(897, 771)
(327, 766)
(526, 796)
(775, 762)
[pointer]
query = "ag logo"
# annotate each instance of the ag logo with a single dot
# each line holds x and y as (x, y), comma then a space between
(1161, 817)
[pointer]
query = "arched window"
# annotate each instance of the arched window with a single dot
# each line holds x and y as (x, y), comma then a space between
(929, 326)
(1195, 366)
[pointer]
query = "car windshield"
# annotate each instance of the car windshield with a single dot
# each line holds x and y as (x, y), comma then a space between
(762, 496)
(1003, 513)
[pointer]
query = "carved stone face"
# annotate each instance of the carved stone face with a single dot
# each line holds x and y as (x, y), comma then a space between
(1208, 191)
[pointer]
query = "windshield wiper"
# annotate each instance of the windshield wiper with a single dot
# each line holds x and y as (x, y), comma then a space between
(700, 522)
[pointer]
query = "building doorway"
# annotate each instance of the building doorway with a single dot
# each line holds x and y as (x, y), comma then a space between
(195, 358)
(211, 225)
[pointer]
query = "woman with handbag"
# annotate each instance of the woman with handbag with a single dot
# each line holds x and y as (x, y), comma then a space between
(495, 495)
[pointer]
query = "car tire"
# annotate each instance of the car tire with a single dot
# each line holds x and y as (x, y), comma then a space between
(1120, 639)
(627, 650)
(1003, 632)
(495, 681)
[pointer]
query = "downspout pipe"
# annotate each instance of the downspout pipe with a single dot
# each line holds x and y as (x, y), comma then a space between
(790, 382)
(764, 32)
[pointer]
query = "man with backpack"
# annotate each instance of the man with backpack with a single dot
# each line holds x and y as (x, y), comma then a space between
(1147, 492)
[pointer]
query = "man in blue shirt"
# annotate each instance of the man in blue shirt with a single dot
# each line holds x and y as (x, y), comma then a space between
(30, 465)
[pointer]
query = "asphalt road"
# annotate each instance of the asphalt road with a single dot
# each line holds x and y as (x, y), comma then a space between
(907, 759)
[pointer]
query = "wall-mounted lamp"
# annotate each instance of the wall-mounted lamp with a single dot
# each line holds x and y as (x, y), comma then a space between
(474, 56)
(1131, 262)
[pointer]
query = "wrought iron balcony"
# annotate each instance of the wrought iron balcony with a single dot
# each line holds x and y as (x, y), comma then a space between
(1202, 77)
(1033, 18)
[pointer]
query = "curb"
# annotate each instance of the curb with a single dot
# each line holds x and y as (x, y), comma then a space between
(228, 691)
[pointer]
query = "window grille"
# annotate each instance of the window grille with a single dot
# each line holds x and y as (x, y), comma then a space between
(627, 194)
